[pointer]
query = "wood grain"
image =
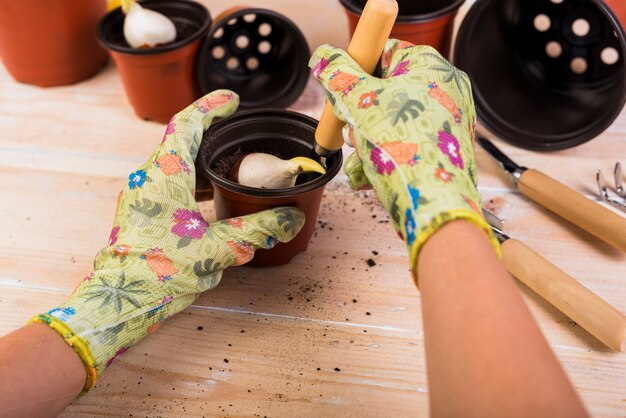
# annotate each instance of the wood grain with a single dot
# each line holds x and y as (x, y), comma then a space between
(566, 294)
(66, 152)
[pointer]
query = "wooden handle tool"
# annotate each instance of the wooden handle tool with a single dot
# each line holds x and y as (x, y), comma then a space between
(573, 206)
(562, 200)
(366, 47)
(580, 304)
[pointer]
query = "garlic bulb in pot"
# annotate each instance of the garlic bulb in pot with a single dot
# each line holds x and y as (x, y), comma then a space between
(270, 172)
(145, 28)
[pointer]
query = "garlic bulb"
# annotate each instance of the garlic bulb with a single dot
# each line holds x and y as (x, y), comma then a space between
(145, 28)
(270, 172)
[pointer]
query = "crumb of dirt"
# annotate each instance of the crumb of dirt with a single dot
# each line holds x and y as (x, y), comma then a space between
(495, 204)
(370, 262)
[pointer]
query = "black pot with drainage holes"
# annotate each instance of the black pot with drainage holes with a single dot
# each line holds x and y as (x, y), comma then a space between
(259, 54)
(546, 74)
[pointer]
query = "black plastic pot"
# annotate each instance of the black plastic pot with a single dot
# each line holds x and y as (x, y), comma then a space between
(260, 54)
(546, 75)
(279, 132)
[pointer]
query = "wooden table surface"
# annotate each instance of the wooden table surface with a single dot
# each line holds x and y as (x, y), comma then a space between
(325, 336)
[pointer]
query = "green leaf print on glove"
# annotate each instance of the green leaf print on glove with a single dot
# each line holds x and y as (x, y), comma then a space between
(162, 253)
(413, 130)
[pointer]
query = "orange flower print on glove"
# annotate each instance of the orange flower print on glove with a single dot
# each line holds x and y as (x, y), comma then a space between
(160, 264)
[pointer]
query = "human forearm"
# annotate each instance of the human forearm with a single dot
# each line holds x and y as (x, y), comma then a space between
(40, 373)
(485, 354)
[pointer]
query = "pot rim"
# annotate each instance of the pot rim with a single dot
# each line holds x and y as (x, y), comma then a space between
(159, 49)
(247, 116)
(519, 136)
(419, 18)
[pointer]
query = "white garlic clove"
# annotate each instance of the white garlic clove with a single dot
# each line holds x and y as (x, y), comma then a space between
(270, 172)
(145, 28)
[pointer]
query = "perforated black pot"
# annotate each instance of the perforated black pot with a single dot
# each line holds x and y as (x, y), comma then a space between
(260, 54)
(546, 74)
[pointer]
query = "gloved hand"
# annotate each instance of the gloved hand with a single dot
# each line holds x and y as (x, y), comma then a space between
(413, 130)
(161, 254)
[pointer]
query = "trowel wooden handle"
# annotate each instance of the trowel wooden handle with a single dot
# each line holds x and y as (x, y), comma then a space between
(580, 304)
(366, 47)
(574, 207)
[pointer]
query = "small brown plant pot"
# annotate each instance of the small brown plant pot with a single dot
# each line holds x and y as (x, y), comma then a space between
(279, 132)
(424, 22)
(619, 8)
(51, 43)
(159, 81)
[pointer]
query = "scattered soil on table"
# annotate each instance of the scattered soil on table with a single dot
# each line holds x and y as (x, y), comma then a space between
(370, 262)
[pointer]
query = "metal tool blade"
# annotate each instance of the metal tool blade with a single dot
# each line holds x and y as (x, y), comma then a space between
(509, 165)
(497, 225)
(619, 186)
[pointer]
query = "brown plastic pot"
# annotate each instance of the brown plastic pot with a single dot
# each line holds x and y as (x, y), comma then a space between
(619, 8)
(159, 81)
(51, 43)
(424, 22)
(279, 132)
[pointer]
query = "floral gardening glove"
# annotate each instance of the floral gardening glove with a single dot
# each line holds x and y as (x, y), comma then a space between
(161, 254)
(413, 130)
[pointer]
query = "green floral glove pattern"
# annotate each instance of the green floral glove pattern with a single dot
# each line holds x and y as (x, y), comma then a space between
(413, 130)
(162, 254)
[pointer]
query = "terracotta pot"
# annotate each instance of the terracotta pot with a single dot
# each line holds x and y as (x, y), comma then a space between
(279, 132)
(424, 22)
(160, 81)
(545, 75)
(619, 8)
(259, 53)
(51, 42)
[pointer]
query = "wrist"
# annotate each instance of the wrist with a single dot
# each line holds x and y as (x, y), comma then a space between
(106, 315)
(452, 232)
(80, 346)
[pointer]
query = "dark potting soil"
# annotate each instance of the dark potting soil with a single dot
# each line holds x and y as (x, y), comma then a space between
(184, 30)
(225, 164)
